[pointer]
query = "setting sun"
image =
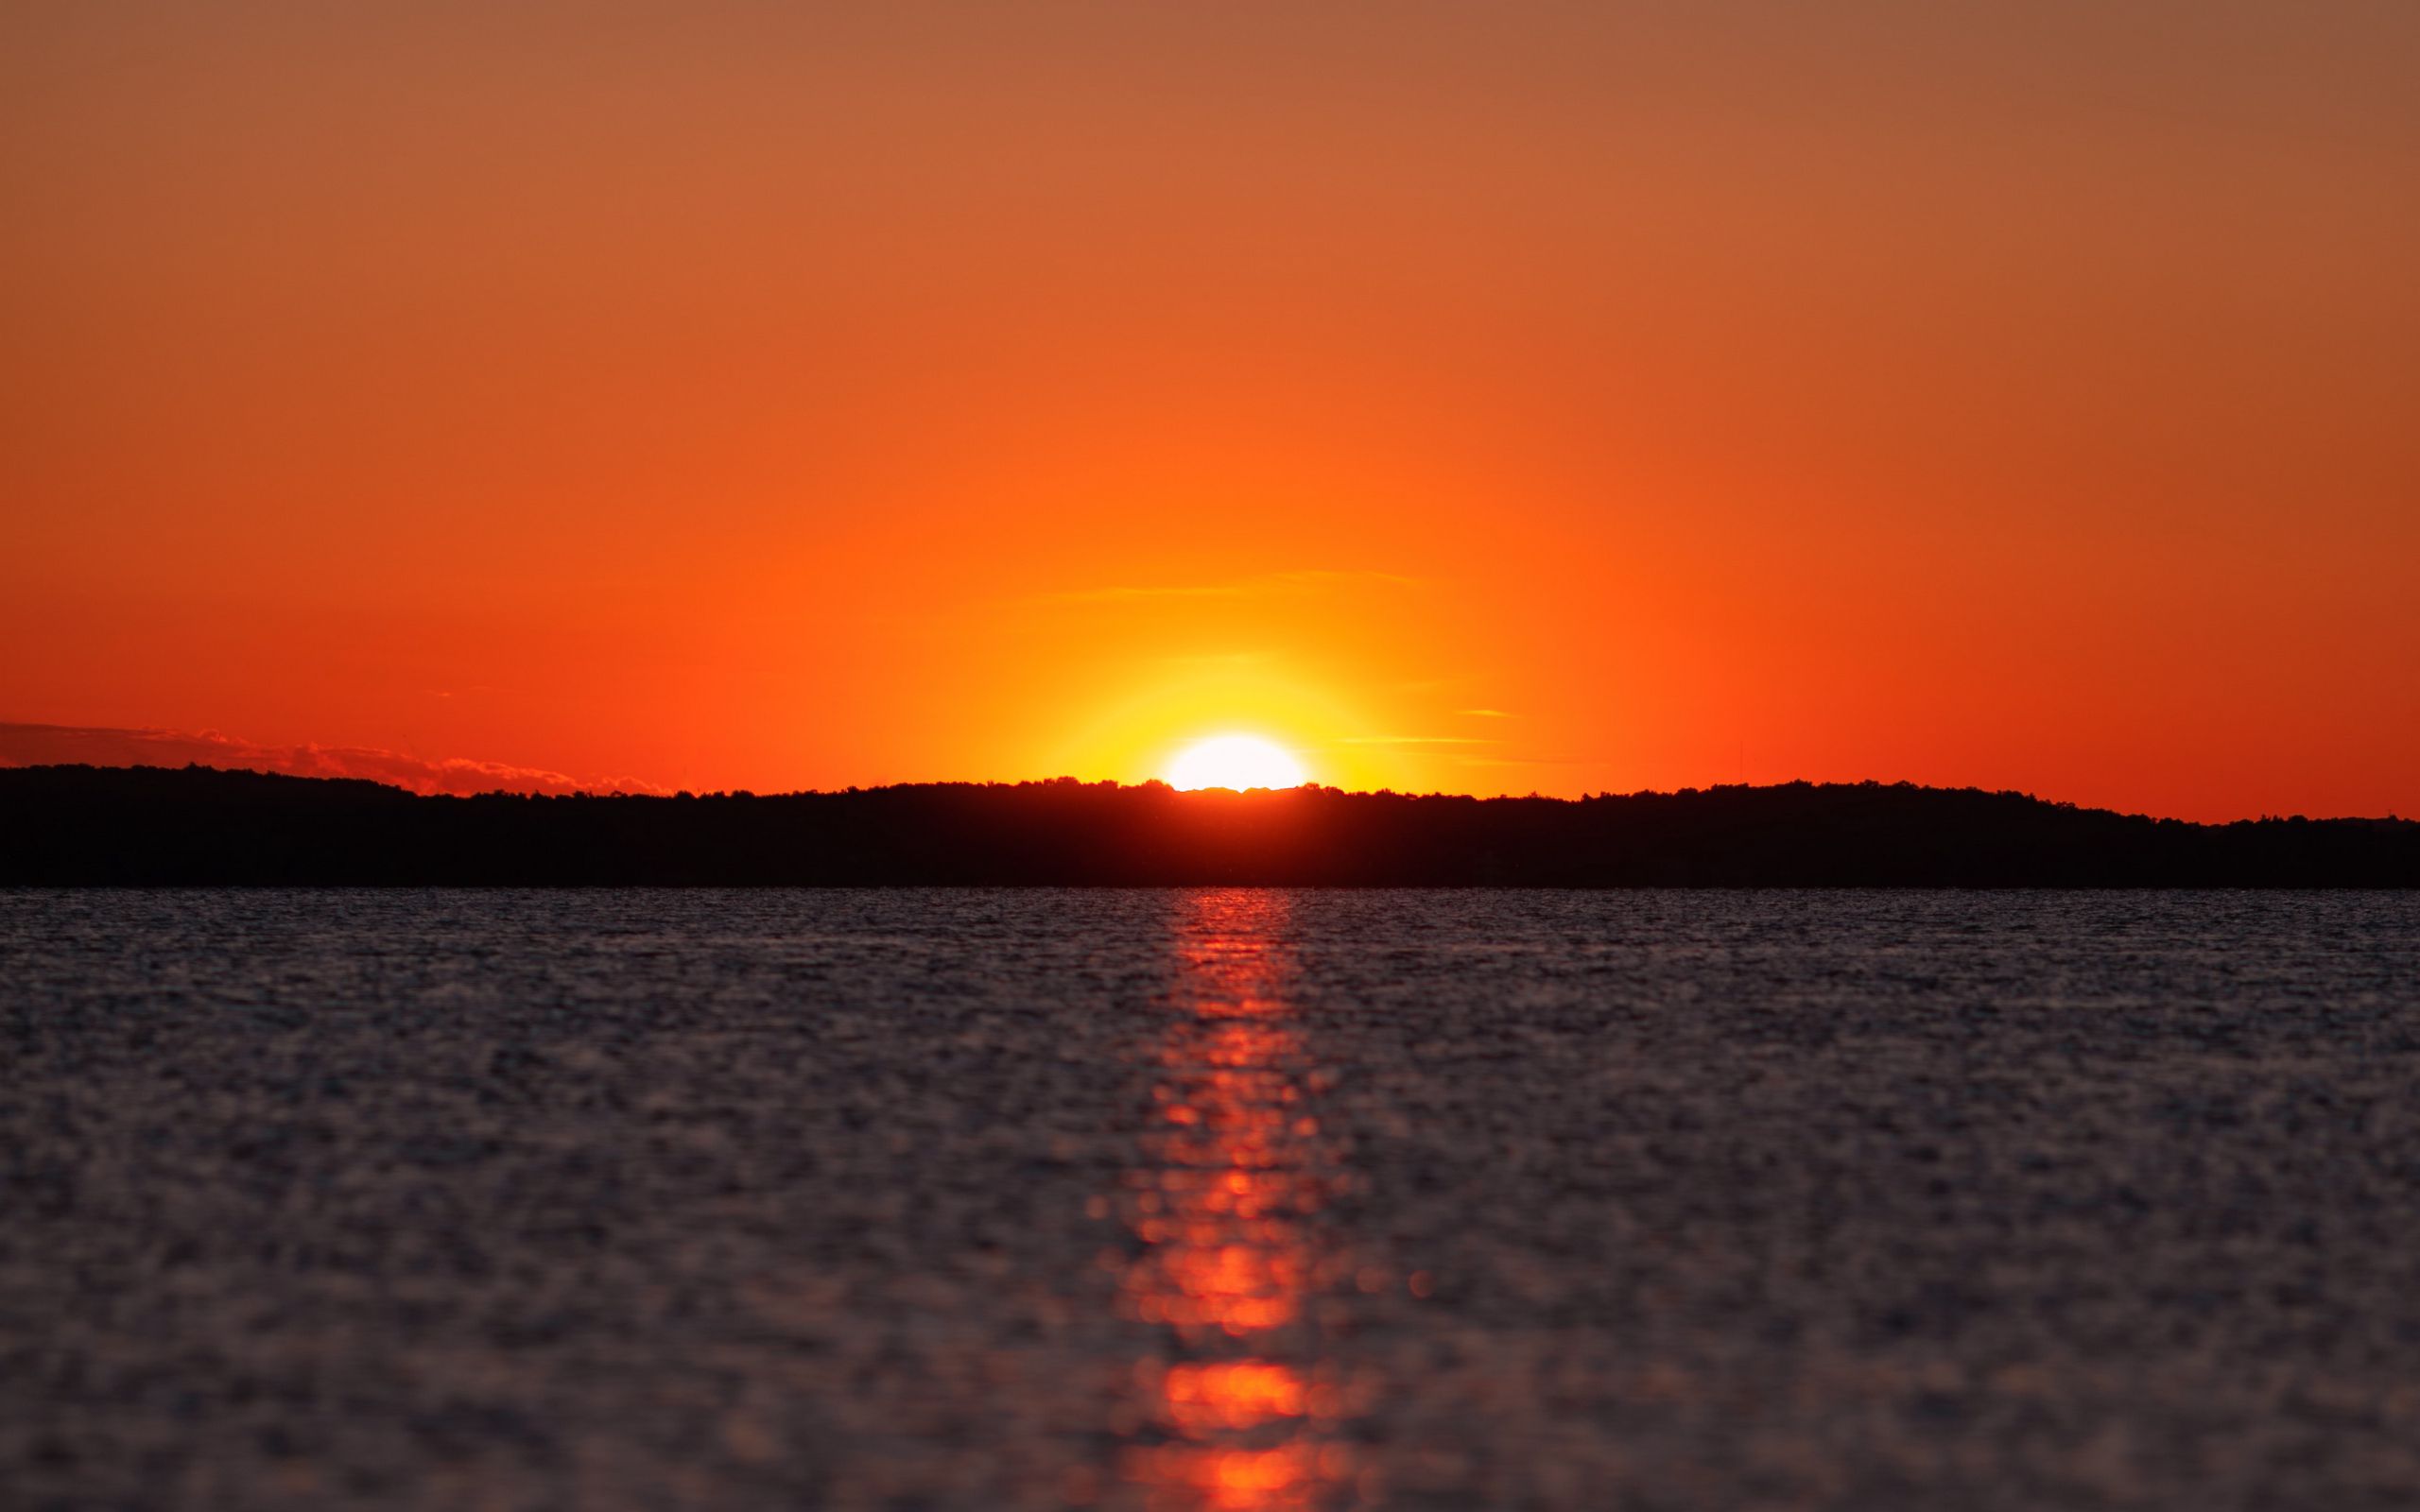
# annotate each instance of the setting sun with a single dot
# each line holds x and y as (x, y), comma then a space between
(1239, 762)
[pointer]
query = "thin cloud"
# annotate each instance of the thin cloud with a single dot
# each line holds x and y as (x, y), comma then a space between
(1526, 761)
(1218, 659)
(1483, 714)
(1262, 586)
(1415, 740)
(71, 745)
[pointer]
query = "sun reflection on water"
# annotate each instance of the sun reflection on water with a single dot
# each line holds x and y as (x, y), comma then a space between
(1240, 1412)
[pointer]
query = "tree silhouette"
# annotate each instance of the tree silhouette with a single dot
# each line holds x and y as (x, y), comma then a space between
(151, 826)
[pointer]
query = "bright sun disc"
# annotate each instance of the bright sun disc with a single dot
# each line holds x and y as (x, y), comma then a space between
(1238, 761)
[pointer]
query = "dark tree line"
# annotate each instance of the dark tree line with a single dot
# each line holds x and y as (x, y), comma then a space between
(149, 826)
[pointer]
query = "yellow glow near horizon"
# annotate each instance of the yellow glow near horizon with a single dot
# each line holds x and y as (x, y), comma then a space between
(1239, 762)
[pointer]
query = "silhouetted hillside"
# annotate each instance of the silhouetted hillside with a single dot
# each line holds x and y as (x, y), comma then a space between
(65, 825)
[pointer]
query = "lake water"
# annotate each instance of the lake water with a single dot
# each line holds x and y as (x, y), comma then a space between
(1210, 1201)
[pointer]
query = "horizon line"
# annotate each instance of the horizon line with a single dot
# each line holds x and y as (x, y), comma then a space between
(1209, 793)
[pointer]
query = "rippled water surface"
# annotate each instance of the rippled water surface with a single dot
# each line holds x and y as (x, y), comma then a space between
(1210, 1201)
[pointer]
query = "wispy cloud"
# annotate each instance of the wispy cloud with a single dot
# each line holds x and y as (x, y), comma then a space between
(1483, 713)
(1415, 740)
(1216, 658)
(1525, 761)
(70, 744)
(1262, 585)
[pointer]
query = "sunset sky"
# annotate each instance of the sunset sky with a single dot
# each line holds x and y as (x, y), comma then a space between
(1487, 398)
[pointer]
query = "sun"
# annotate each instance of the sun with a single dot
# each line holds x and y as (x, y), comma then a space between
(1238, 761)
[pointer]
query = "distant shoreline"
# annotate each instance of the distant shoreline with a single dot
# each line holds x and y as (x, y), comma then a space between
(74, 826)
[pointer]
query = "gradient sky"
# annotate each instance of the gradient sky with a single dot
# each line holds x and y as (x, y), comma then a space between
(1497, 397)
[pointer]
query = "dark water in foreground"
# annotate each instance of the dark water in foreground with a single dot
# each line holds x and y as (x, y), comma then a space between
(1216, 1200)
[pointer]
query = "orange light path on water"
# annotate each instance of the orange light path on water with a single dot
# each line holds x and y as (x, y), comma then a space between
(1235, 1172)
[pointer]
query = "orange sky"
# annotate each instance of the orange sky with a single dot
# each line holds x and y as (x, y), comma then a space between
(1478, 397)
